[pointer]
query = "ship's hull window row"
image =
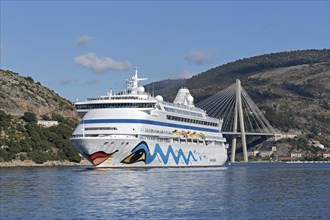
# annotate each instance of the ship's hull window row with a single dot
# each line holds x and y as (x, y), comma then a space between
(116, 105)
(101, 128)
(193, 121)
(180, 111)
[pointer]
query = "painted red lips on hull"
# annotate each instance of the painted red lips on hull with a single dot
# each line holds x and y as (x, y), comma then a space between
(99, 157)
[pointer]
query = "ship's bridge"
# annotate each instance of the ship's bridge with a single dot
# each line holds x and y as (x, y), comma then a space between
(134, 97)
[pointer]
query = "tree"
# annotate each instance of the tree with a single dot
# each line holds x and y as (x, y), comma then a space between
(30, 117)
(38, 157)
(45, 117)
(30, 79)
(3, 155)
(4, 119)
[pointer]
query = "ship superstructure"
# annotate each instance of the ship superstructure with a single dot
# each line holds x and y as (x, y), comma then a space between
(135, 129)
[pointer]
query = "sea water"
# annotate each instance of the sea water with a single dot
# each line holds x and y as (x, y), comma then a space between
(237, 191)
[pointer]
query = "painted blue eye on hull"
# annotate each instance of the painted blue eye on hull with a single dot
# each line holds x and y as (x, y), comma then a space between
(165, 157)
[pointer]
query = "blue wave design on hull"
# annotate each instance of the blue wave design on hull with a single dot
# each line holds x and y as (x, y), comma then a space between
(165, 157)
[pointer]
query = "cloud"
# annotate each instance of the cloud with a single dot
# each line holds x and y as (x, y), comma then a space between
(84, 40)
(101, 64)
(67, 81)
(199, 57)
(90, 82)
(184, 74)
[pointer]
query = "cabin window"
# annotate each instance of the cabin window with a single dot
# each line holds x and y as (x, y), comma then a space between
(116, 105)
(193, 121)
(100, 128)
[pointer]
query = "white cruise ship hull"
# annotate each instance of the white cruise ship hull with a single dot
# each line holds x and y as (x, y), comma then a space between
(121, 153)
(135, 129)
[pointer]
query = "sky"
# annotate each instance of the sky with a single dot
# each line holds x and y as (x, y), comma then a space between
(82, 49)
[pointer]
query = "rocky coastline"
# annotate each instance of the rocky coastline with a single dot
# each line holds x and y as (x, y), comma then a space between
(30, 163)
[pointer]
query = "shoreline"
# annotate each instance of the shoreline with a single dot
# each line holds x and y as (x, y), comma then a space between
(30, 163)
(279, 162)
(85, 163)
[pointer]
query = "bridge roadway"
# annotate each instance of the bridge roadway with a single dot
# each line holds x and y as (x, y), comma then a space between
(249, 133)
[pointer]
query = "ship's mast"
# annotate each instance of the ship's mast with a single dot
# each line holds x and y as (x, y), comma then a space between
(133, 82)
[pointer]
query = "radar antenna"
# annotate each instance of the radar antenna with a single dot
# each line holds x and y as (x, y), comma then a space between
(133, 82)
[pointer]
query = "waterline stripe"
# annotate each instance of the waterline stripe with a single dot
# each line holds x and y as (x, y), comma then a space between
(142, 121)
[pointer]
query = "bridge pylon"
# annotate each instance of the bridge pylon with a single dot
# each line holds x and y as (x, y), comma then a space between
(238, 114)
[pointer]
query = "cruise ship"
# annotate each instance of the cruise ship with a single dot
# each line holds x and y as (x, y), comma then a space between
(135, 129)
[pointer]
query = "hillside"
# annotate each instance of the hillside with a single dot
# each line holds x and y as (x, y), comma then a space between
(22, 104)
(292, 88)
(218, 78)
(20, 94)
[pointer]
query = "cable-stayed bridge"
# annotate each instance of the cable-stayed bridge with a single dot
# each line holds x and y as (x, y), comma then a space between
(241, 116)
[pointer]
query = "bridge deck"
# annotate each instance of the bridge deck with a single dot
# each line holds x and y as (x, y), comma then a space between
(249, 133)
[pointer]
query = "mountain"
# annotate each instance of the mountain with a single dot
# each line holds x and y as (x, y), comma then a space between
(23, 105)
(292, 88)
(20, 94)
(218, 78)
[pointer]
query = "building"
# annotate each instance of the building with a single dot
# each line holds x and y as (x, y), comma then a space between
(315, 144)
(266, 149)
(290, 134)
(284, 158)
(296, 154)
(47, 124)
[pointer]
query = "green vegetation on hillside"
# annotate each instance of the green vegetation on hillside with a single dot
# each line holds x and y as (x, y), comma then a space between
(21, 138)
(301, 144)
(22, 103)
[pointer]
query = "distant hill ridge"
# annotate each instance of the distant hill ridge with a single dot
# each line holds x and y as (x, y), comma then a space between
(20, 94)
(215, 79)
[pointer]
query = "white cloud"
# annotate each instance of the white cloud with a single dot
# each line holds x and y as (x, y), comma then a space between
(67, 81)
(84, 40)
(91, 82)
(199, 57)
(184, 74)
(101, 64)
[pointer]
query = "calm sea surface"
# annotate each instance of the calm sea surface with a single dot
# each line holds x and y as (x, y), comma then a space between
(250, 191)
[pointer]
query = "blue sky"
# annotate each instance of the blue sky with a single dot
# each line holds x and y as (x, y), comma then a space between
(82, 49)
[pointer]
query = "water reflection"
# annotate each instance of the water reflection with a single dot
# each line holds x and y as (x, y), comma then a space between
(155, 192)
(228, 193)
